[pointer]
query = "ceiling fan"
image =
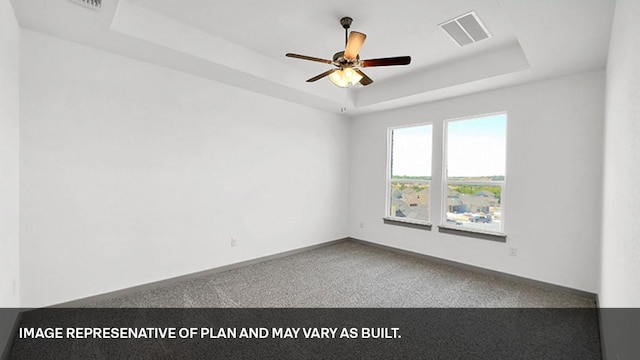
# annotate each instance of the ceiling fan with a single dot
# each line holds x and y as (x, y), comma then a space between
(348, 63)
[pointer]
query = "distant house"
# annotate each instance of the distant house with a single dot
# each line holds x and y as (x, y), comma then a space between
(414, 198)
(455, 205)
(480, 202)
(474, 203)
(491, 197)
(410, 203)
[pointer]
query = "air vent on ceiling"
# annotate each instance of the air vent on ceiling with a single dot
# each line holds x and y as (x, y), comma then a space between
(90, 4)
(466, 29)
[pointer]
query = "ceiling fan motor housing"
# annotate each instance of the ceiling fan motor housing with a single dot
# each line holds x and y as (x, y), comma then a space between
(342, 62)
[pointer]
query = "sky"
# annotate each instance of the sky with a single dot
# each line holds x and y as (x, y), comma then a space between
(412, 151)
(475, 147)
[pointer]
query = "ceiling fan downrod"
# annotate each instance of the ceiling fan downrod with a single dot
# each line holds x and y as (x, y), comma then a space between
(346, 24)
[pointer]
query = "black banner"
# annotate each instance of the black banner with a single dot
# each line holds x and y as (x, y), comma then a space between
(306, 334)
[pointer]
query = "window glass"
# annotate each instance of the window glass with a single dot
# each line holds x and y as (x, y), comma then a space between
(475, 173)
(476, 148)
(410, 173)
(411, 152)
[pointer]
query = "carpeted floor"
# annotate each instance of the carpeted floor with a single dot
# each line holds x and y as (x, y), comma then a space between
(392, 306)
(349, 274)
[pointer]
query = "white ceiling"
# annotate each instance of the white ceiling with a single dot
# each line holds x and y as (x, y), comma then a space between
(243, 42)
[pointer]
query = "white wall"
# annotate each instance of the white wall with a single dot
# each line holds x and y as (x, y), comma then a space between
(620, 288)
(553, 196)
(620, 240)
(9, 140)
(132, 173)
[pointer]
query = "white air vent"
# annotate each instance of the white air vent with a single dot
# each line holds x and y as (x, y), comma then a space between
(466, 29)
(91, 4)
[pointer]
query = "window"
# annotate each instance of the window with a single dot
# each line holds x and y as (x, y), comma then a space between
(474, 176)
(409, 175)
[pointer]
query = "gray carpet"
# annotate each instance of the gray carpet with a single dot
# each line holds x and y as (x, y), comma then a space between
(439, 311)
(349, 274)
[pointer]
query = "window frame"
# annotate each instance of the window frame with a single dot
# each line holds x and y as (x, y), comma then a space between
(501, 234)
(388, 217)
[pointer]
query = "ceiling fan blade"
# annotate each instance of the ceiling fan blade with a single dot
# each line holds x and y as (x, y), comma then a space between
(365, 79)
(356, 39)
(310, 58)
(318, 77)
(391, 61)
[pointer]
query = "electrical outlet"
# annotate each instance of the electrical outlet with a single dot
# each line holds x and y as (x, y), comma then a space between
(513, 251)
(234, 242)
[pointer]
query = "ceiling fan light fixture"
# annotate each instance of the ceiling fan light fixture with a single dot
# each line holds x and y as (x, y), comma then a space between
(345, 78)
(347, 62)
